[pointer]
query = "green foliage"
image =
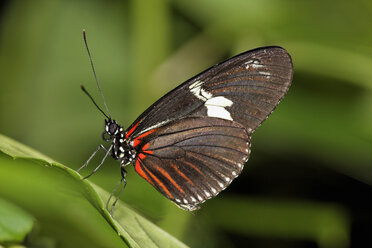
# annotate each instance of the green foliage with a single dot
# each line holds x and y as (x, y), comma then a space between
(15, 223)
(67, 209)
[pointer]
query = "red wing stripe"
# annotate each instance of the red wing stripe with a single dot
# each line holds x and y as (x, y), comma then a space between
(138, 139)
(144, 148)
(194, 167)
(140, 171)
(131, 130)
(158, 182)
(182, 174)
(166, 174)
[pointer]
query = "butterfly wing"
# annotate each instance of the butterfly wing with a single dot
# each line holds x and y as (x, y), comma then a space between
(194, 140)
(192, 159)
(245, 88)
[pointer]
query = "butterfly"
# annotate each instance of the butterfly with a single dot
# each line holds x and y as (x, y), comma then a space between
(194, 141)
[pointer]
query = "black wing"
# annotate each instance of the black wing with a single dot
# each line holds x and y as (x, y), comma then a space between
(248, 86)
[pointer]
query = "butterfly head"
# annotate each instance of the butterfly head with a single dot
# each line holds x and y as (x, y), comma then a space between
(112, 129)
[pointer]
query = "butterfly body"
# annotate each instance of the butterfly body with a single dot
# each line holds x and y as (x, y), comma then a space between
(195, 140)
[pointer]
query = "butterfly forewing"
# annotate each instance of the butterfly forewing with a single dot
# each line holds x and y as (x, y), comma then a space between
(245, 88)
(192, 159)
(194, 141)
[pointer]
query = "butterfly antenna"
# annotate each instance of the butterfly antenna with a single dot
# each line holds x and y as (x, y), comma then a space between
(95, 76)
(94, 102)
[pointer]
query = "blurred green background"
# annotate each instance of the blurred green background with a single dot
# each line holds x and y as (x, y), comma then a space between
(308, 182)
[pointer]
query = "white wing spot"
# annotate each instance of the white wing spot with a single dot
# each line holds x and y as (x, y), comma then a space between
(205, 94)
(221, 184)
(215, 105)
(240, 165)
(121, 149)
(121, 155)
(233, 173)
(264, 73)
(196, 84)
(214, 190)
(185, 201)
(193, 199)
(253, 64)
(178, 200)
(199, 198)
(200, 93)
(227, 179)
(207, 194)
(219, 101)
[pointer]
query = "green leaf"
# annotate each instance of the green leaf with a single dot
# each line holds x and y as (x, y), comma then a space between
(68, 209)
(15, 223)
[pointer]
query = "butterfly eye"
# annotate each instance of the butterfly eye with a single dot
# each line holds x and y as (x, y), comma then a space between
(106, 136)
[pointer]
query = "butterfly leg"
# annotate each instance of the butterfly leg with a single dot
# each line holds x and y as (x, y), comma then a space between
(91, 156)
(122, 180)
(103, 160)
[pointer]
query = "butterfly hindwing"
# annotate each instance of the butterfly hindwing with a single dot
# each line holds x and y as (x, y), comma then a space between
(192, 159)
